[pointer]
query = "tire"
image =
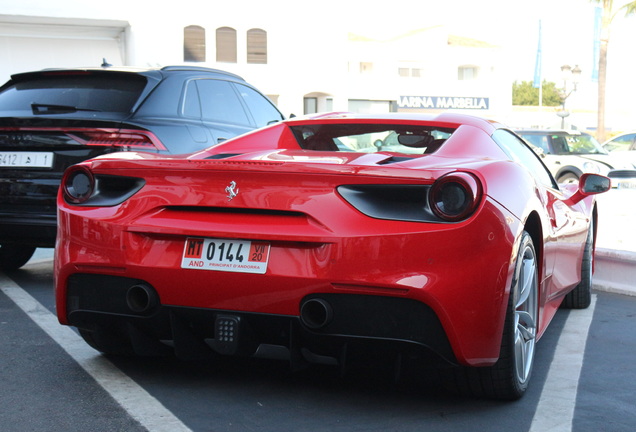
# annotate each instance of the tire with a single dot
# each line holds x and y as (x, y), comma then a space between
(508, 378)
(568, 178)
(581, 296)
(13, 256)
(107, 342)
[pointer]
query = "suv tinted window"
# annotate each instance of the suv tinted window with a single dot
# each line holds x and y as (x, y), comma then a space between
(59, 93)
(261, 108)
(519, 152)
(219, 102)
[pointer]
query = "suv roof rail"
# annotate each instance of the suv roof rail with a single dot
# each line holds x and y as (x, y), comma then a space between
(200, 68)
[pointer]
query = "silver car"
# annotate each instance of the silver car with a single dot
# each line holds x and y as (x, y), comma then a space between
(569, 154)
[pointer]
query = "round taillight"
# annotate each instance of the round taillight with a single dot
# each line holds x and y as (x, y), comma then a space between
(455, 196)
(78, 184)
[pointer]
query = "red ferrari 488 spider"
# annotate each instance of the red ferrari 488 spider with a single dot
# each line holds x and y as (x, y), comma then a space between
(322, 239)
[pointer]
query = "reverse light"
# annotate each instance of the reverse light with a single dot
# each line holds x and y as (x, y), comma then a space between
(455, 196)
(78, 184)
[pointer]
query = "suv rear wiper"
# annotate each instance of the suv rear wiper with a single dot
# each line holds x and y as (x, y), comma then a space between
(56, 109)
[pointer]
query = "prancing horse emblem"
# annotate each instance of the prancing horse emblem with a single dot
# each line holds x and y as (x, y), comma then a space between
(232, 191)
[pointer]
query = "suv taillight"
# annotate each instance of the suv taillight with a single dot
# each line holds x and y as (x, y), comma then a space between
(126, 138)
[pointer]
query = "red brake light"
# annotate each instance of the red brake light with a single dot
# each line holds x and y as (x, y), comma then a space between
(142, 140)
(107, 137)
(78, 184)
(455, 196)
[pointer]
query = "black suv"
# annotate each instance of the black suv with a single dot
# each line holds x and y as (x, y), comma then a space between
(52, 119)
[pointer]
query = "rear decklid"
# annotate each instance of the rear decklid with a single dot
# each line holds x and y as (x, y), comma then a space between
(273, 195)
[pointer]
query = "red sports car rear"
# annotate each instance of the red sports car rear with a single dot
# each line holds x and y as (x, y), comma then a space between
(317, 240)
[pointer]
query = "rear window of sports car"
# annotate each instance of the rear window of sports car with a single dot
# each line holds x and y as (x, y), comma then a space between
(68, 93)
(371, 138)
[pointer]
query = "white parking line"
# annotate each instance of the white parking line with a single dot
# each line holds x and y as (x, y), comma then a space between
(139, 404)
(555, 410)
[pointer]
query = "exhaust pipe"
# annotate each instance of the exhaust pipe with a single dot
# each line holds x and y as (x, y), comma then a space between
(316, 313)
(141, 298)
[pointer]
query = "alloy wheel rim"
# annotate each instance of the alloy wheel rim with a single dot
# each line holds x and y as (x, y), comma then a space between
(525, 315)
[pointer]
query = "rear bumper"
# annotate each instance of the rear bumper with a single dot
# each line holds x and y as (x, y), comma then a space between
(623, 179)
(389, 325)
(458, 273)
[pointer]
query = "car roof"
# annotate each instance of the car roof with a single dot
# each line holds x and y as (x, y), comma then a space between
(158, 71)
(550, 132)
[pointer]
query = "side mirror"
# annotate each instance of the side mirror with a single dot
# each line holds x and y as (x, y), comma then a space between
(590, 184)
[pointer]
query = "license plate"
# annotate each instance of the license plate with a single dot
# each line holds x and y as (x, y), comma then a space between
(239, 256)
(26, 159)
(626, 184)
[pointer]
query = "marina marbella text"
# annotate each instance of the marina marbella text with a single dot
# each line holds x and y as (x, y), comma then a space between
(443, 102)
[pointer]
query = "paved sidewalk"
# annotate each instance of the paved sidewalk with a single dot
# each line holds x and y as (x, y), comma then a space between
(615, 266)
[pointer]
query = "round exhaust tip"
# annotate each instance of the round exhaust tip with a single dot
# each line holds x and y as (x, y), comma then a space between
(316, 313)
(141, 298)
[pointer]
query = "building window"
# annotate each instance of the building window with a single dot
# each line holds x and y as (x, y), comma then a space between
(465, 73)
(226, 45)
(194, 44)
(366, 67)
(257, 46)
(310, 105)
(410, 72)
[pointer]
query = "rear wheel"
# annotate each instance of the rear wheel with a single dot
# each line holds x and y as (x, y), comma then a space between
(14, 256)
(581, 296)
(508, 378)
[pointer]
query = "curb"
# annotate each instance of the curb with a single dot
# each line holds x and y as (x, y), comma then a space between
(615, 271)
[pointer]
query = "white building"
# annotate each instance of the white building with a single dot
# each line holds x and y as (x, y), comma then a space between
(301, 55)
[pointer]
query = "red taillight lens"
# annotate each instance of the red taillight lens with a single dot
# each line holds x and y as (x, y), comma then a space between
(142, 140)
(455, 196)
(78, 184)
(124, 138)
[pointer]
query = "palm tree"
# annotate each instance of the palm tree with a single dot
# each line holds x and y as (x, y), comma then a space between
(606, 19)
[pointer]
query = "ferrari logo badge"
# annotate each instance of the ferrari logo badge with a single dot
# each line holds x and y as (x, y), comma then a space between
(232, 191)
